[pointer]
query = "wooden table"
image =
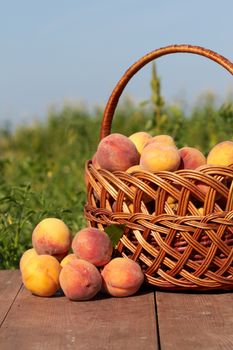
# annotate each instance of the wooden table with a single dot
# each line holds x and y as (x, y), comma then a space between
(148, 320)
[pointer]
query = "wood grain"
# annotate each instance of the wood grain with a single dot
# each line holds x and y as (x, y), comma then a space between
(10, 283)
(195, 321)
(103, 323)
(185, 320)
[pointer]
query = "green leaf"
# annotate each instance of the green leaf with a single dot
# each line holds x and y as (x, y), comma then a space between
(115, 232)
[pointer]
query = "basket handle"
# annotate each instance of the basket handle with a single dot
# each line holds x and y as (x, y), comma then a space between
(116, 93)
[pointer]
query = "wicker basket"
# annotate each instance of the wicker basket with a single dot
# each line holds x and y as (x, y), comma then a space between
(177, 247)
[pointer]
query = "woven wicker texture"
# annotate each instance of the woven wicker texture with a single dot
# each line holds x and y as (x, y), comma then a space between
(181, 237)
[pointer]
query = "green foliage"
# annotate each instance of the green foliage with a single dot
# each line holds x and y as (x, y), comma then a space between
(115, 232)
(42, 165)
(159, 117)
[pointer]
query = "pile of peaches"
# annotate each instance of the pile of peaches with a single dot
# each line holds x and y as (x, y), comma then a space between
(141, 151)
(81, 265)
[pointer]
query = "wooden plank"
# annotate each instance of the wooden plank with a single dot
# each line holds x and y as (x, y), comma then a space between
(10, 283)
(102, 323)
(195, 321)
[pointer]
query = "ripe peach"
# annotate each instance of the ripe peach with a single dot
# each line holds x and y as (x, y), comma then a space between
(122, 277)
(95, 162)
(52, 236)
(140, 139)
(80, 280)
(191, 158)
(25, 258)
(201, 210)
(117, 152)
(131, 207)
(159, 156)
(93, 245)
(41, 275)
(67, 259)
(202, 186)
(128, 207)
(133, 168)
(221, 154)
(167, 139)
(171, 200)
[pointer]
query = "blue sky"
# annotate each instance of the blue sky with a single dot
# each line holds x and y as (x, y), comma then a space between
(56, 51)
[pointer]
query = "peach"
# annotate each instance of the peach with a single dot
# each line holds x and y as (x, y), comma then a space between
(95, 162)
(52, 236)
(167, 139)
(191, 158)
(67, 259)
(140, 139)
(41, 275)
(221, 154)
(159, 156)
(80, 280)
(133, 168)
(128, 209)
(117, 152)
(25, 258)
(201, 210)
(131, 207)
(122, 277)
(202, 186)
(93, 245)
(171, 200)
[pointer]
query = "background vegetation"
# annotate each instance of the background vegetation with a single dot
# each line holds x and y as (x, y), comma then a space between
(42, 165)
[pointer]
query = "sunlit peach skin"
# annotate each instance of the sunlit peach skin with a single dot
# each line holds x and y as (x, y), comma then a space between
(41, 275)
(159, 157)
(68, 258)
(167, 139)
(191, 158)
(116, 152)
(52, 236)
(221, 154)
(140, 139)
(80, 280)
(122, 277)
(25, 258)
(93, 245)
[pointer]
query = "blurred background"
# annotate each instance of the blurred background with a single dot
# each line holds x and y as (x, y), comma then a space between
(60, 61)
(56, 52)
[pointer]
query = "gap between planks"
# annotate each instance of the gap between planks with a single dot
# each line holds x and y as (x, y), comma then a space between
(160, 320)
(10, 284)
(58, 323)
